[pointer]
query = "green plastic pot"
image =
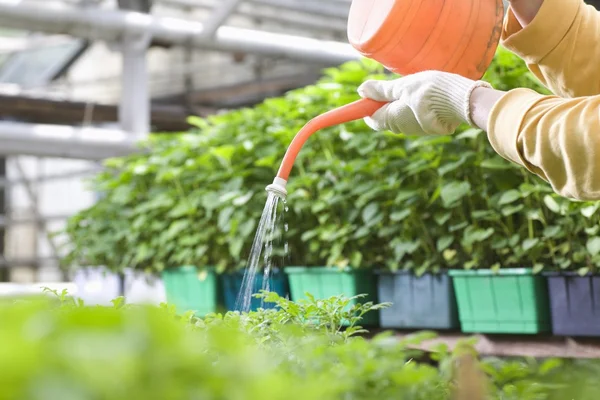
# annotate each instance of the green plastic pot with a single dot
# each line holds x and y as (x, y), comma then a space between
(325, 282)
(503, 301)
(192, 289)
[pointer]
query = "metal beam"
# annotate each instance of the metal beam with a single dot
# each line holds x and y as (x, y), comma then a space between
(22, 262)
(222, 12)
(4, 182)
(110, 25)
(47, 110)
(272, 15)
(134, 106)
(35, 219)
(4, 274)
(33, 198)
(60, 141)
(307, 6)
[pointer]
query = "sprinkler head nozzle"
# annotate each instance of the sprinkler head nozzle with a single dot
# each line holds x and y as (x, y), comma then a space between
(278, 188)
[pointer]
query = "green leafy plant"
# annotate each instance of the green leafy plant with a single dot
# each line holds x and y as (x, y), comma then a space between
(62, 348)
(357, 198)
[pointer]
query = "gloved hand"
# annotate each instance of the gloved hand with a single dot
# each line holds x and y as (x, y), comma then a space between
(425, 103)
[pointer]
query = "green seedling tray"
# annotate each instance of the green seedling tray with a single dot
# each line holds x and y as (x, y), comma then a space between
(190, 288)
(507, 301)
(325, 282)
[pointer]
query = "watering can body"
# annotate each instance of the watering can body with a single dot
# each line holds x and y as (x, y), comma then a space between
(409, 36)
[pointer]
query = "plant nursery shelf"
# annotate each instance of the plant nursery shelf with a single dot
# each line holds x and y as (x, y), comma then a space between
(516, 345)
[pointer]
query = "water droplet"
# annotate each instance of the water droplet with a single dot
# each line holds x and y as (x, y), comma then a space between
(286, 227)
(287, 209)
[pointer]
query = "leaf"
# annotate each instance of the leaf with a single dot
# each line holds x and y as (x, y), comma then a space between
(510, 210)
(552, 231)
(356, 259)
(458, 226)
(469, 134)
(400, 215)
(362, 232)
(514, 240)
(530, 243)
(589, 211)
(551, 204)
(176, 228)
(449, 254)
(583, 271)
(550, 365)
(452, 166)
(442, 218)
(499, 242)
(444, 242)
(482, 214)
(404, 195)
(496, 163)
(454, 191)
(247, 228)
(306, 236)
(401, 248)
(235, 247)
(593, 245)
(592, 230)
(242, 200)
(473, 235)
(509, 197)
(537, 268)
(369, 212)
(225, 219)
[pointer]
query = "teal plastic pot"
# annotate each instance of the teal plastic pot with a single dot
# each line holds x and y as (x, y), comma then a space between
(418, 302)
(506, 301)
(192, 289)
(325, 282)
(232, 285)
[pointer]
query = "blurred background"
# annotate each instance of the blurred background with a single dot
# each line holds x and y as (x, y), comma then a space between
(66, 67)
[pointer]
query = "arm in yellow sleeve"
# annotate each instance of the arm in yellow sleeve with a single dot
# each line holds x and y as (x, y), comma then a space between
(561, 46)
(555, 138)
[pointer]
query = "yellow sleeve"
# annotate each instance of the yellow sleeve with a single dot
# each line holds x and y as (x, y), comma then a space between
(556, 138)
(561, 46)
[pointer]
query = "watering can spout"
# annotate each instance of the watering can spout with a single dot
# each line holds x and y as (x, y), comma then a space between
(350, 112)
(278, 187)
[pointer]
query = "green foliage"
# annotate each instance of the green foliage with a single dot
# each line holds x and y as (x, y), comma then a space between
(60, 348)
(357, 198)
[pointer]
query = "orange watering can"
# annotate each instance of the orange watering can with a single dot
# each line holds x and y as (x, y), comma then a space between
(409, 36)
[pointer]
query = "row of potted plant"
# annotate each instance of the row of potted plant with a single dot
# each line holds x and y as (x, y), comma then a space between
(370, 200)
(505, 301)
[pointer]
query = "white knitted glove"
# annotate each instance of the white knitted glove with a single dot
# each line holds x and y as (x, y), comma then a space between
(425, 103)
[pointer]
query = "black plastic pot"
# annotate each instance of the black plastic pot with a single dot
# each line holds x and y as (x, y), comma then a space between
(574, 304)
(421, 302)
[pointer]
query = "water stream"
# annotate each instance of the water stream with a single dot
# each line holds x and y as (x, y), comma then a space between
(266, 233)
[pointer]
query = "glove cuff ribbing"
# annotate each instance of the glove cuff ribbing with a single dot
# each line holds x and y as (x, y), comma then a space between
(458, 90)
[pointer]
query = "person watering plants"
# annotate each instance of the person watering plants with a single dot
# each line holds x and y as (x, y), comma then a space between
(555, 137)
